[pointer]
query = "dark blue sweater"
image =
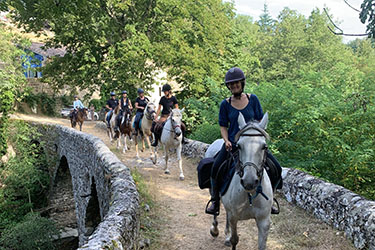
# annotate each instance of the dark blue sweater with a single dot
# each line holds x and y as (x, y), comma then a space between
(229, 115)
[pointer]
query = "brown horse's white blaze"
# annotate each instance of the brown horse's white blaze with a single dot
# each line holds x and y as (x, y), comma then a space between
(125, 127)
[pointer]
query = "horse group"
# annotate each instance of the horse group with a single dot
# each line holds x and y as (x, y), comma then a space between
(171, 137)
(250, 193)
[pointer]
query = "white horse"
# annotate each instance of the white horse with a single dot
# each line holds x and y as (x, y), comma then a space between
(146, 123)
(112, 123)
(250, 192)
(171, 138)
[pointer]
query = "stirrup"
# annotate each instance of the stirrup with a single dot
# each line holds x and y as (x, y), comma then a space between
(275, 211)
(217, 212)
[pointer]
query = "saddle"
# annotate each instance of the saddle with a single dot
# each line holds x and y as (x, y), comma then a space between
(224, 174)
(227, 171)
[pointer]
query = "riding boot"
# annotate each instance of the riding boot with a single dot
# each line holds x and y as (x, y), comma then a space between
(214, 208)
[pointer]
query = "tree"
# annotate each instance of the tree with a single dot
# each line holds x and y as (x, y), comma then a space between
(12, 79)
(115, 44)
(367, 14)
(266, 23)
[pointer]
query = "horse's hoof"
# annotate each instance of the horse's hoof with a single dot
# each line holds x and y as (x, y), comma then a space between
(214, 232)
(227, 242)
(182, 178)
(166, 172)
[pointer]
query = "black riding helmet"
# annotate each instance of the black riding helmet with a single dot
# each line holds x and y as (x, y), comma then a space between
(140, 90)
(233, 75)
(166, 87)
(113, 93)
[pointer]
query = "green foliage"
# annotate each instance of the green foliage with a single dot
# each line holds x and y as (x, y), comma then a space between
(12, 79)
(367, 16)
(34, 232)
(206, 133)
(115, 45)
(46, 103)
(98, 104)
(24, 177)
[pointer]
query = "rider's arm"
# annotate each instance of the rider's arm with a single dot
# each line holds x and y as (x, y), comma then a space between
(224, 134)
(158, 111)
(130, 104)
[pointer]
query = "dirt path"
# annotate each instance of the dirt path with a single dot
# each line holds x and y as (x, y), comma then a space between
(182, 224)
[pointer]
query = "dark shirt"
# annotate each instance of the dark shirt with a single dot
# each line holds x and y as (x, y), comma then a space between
(168, 104)
(141, 103)
(112, 103)
(229, 114)
(124, 104)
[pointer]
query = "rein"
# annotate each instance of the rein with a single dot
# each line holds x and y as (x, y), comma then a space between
(259, 169)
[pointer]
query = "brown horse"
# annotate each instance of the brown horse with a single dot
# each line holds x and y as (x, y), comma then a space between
(125, 126)
(78, 117)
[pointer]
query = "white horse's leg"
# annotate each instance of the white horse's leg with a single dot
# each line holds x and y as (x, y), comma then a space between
(136, 146)
(263, 228)
(166, 150)
(179, 158)
(152, 154)
(125, 145)
(214, 231)
(109, 133)
(227, 233)
(233, 231)
(119, 142)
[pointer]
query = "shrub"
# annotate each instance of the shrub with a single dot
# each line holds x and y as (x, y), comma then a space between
(206, 132)
(34, 232)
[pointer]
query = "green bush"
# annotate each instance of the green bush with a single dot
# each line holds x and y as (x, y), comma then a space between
(98, 104)
(24, 177)
(206, 132)
(46, 103)
(34, 232)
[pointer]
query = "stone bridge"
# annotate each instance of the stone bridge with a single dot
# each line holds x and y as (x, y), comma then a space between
(91, 185)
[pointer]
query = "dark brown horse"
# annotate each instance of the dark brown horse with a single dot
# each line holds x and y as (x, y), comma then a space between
(79, 117)
(125, 126)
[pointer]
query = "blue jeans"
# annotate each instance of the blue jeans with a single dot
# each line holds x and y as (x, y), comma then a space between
(108, 118)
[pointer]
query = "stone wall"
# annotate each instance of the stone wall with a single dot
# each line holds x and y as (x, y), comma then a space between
(90, 160)
(330, 203)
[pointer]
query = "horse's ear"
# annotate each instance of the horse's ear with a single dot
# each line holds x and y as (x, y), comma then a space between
(263, 123)
(241, 121)
(182, 110)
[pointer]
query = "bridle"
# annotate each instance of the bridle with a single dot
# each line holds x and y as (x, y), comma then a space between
(149, 115)
(259, 168)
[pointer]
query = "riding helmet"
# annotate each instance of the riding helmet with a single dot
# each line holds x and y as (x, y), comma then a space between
(113, 93)
(140, 90)
(166, 87)
(233, 75)
(76, 96)
(124, 92)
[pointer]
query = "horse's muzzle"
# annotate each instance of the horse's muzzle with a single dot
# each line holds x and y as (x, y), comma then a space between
(178, 131)
(249, 186)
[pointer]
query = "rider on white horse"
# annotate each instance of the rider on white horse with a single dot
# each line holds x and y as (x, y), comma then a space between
(167, 102)
(246, 104)
(140, 104)
(111, 105)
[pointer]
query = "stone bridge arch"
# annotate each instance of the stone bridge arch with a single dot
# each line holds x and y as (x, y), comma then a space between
(96, 186)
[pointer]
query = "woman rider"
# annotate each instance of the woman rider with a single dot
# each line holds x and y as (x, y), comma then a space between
(249, 106)
(167, 102)
(140, 105)
(123, 104)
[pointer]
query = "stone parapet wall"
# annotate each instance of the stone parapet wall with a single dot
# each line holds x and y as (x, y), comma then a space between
(330, 203)
(334, 205)
(89, 160)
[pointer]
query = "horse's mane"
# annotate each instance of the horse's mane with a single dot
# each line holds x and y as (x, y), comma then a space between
(251, 125)
(116, 110)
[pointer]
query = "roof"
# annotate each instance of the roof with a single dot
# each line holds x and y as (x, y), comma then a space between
(37, 49)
